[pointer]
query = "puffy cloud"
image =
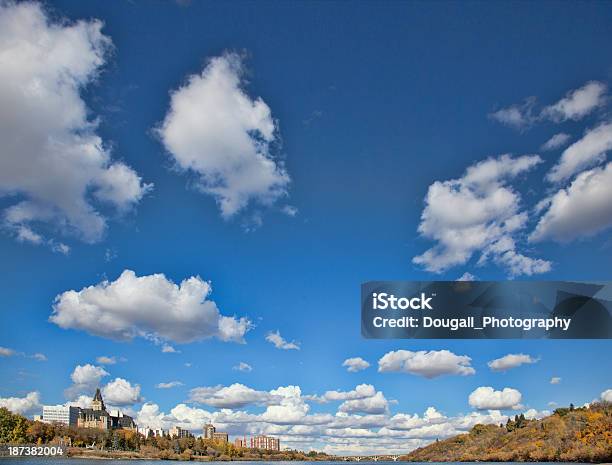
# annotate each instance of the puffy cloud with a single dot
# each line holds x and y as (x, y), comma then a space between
(402, 421)
(355, 364)
(582, 209)
(214, 130)
(168, 385)
(429, 364)
(517, 116)
(151, 307)
(121, 392)
(21, 405)
(150, 416)
(468, 421)
(606, 395)
(85, 378)
(478, 213)
(88, 374)
(104, 360)
(466, 277)
(291, 422)
(235, 396)
(577, 103)
(556, 141)
(6, 352)
(280, 343)
(555, 380)
(377, 404)
(243, 366)
(82, 401)
(584, 153)
(181, 415)
(289, 419)
(361, 391)
(510, 361)
(39, 357)
(487, 398)
(288, 408)
(55, 170)
(168, 349)
(533, 414)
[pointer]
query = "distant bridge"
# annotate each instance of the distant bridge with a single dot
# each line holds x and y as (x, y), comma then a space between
(371, 458)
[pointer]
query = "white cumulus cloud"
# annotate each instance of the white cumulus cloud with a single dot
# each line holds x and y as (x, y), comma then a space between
(216, 131)
(85, 379)
(121, 392)
(511, 361)
(149, 306)
(606, 395)
(377, 404)
(280, 343)
(517, 116)
(487, 398)
(289, 419)
(55, 169)
(533, 414)
(22, 405)
(478, 213)
(429, 364)
(577, 103)
(582, 209)
(361, 391)
(289, 406)
(355, 364)
(584, 153)
(88, 375)
(466, 277)
(235, 396)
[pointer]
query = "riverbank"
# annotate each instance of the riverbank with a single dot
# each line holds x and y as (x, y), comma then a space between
(95, 454)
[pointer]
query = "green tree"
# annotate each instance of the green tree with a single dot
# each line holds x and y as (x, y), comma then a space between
(7, 423)
(20, 430)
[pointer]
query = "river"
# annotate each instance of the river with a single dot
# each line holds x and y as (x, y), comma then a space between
(78, 461)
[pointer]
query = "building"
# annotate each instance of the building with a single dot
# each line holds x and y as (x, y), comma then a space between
(241, 443)
(65, 415)
(121, 421)
(151, 432)
(209, 431)
(220, 437)
(97, 417)
(178, 432)
(265, 442)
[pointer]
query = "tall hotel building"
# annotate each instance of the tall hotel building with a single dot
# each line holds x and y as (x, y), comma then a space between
(265, 442)
(209, 431)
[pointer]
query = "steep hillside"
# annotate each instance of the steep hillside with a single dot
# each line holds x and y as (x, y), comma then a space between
(568, 435)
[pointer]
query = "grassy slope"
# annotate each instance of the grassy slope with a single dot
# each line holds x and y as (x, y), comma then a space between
(580, 435)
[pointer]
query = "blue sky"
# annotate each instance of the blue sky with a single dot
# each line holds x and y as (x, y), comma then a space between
(362, 108)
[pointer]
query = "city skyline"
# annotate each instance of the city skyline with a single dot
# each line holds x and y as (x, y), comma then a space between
(190, 202)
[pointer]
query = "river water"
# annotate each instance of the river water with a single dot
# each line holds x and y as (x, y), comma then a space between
(58, 461)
